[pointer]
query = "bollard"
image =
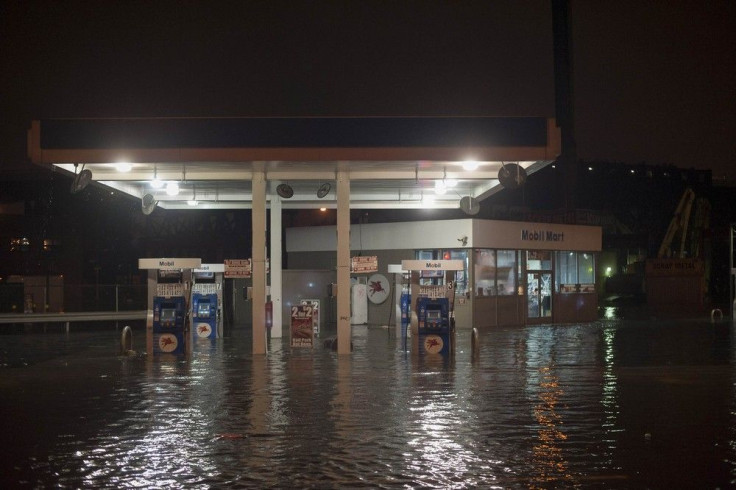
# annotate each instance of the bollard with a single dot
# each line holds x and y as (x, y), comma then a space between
(126, 341)
(474, 344)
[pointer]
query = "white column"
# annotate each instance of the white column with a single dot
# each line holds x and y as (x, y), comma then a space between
(343, 261)
(276, 254)
(259, 257)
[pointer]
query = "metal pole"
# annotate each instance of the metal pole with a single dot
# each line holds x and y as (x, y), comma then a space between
(116, 304)
(730, 272)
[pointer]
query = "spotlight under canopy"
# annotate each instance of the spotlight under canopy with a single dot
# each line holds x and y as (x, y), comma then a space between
(148, 204)
(81, 180)
(323, 190)
(284, 190)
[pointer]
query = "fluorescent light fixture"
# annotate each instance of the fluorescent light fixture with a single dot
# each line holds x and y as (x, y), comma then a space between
(172, 189)
(123, 167)
(470, 165)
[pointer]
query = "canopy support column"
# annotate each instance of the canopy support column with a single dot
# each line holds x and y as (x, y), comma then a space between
(276, 279)
(258, 254)
(343, 260)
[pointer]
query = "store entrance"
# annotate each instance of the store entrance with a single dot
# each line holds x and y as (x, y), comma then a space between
(539, 295)
(538, 286)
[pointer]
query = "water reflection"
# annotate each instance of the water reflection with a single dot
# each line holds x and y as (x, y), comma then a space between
(541, 407)
(548, 456)
(609, 396)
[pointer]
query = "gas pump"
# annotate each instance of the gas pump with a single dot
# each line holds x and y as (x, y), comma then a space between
(435, 333)
(207, 301)
(168, 305)
(431, 310)
(204, 316)
(402, 296)
(169, 314)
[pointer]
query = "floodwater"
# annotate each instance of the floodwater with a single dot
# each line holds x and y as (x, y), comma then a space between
(611, 404)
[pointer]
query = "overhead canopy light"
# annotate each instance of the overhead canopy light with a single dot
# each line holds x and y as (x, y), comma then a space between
(470, 165)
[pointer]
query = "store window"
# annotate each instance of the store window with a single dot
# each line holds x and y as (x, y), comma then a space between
(461, 277)
(496, 272)
(506, 272)
(539, 260)
(484, 269)
(575, 272)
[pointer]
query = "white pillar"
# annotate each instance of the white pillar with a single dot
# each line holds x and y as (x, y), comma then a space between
(343, 260)
(276, 279)
(259, 257)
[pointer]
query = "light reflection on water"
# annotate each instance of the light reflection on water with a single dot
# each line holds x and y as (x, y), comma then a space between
(608, 404)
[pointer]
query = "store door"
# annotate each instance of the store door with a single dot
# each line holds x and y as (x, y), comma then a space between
(539, 295)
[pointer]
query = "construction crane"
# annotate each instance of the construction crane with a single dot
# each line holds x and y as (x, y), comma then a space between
(677, 280)
(679, 227)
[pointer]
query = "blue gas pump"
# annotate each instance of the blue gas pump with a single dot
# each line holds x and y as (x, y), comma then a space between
(169, 316)
(405, 302)
(204, 316)
(434, 327)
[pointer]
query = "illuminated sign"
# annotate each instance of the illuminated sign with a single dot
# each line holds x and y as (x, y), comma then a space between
(432, 265)
(211, 268)
(166, 263)
(542, 236)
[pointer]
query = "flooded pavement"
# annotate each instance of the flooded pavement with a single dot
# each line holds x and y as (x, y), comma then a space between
(612, 404)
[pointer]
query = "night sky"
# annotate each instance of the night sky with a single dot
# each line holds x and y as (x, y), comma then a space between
(654, 82)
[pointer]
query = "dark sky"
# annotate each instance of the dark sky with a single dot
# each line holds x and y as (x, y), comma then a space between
(654, 81)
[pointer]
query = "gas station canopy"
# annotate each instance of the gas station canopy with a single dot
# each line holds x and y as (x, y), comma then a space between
(392, 162)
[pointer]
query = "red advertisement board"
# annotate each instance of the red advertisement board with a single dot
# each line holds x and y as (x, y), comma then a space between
(302, 326)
